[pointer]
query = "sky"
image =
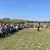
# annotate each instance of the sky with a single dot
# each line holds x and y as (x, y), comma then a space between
(34, 10)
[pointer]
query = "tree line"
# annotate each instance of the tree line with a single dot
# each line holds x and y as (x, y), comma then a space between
(18, 21)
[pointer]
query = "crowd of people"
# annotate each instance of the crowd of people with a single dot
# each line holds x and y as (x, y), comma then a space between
(6, 29)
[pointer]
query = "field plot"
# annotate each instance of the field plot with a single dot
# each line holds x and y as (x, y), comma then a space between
(27, 39)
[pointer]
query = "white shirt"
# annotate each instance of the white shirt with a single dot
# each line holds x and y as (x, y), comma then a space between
(16, 27)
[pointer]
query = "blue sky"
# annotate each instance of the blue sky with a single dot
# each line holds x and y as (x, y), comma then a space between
(36, 10)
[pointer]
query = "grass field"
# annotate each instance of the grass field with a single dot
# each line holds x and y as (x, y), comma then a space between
(27, 39)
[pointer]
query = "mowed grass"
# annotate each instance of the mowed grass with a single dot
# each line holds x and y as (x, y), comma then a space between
(27, 39)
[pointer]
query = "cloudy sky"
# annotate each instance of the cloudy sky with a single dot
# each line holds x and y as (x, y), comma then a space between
(36, 10)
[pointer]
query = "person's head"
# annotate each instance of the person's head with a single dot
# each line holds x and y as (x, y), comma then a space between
(39, 23)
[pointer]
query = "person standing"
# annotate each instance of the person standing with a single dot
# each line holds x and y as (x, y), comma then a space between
(38, 27)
